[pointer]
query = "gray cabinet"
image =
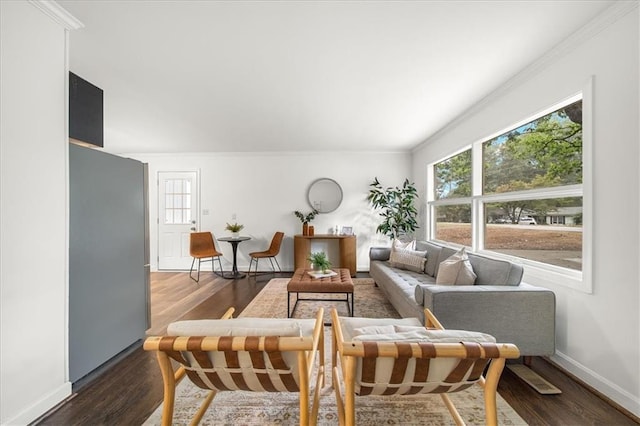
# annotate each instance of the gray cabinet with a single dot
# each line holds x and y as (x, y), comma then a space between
(108, 268)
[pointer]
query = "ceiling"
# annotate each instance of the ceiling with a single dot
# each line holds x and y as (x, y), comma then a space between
(247, 76)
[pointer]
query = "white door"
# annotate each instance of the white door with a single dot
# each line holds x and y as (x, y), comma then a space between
(177, 218)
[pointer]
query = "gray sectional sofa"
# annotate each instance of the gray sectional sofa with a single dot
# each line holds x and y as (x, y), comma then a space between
(499, 303)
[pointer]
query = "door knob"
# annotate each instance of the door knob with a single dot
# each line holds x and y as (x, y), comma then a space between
(193, 228)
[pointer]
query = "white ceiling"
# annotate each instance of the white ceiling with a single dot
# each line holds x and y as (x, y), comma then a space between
(198, 76)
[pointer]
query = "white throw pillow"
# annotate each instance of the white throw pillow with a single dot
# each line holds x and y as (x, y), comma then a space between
(456, 270)
(403, 245)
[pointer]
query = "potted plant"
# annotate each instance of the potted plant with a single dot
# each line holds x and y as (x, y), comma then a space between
(305, 219)
(319, 261)
(234, 228)
(397, 208)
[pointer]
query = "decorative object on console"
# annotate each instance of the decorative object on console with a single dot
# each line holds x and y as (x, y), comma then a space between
(305, 219)
(234, 228)
(346, 230)
(324, 195)
(396, 204)
(319, 261)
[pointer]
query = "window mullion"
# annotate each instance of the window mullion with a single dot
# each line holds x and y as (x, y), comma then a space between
(477, 214)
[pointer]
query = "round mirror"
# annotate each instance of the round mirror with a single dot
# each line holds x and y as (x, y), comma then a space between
(324, 195)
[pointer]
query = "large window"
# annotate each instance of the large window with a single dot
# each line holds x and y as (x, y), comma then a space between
(518, 194)
(453, 188)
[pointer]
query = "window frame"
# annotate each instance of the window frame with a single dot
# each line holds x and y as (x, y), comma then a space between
(536, 273)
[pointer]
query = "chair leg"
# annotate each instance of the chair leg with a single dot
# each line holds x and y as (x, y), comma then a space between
(169, 382)
(490, 390)
(452, 410)
(335, 378)
(221, 274)
(279, 268)
(203, 408)
(191, 270)
(348, 364)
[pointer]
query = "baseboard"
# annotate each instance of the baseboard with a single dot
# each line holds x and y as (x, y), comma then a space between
(106, 366)
(609, 390)
(42, 406)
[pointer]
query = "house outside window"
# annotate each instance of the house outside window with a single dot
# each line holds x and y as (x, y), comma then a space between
(518, 194)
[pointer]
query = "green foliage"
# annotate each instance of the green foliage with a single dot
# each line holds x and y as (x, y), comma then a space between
(544, 153)
(453, 176)
(319, 261)
(306, 218)
(397, 209)
(235, 227)
(577, 219)
(554, 144)
(456, 213)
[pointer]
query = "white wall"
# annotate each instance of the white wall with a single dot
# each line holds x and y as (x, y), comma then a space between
(598, 334)
(264, 189)
(33, 282)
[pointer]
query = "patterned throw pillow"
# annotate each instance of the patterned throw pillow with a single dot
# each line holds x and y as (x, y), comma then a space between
(456, 270)
(410, 260)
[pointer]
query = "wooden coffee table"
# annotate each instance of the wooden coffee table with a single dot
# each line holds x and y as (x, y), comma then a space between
(302, 282)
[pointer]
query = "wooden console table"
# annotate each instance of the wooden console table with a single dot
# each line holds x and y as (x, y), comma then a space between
(347, 244)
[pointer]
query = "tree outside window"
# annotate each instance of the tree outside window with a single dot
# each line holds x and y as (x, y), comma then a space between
(531, 192)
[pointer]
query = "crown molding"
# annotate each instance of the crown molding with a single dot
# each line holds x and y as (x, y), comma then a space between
(604, 20)
(56, 12)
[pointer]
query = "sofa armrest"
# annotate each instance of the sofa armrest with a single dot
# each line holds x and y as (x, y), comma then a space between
(524, 314)
(379, 253)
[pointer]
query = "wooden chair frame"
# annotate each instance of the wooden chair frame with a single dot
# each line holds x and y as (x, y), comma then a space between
(169, 348)
(477, 356)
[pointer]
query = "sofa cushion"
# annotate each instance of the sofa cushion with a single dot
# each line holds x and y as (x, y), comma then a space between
(433, 253)
(242, 327)
(456, 270)
(351, 324)
(413, 333)
(495, 272)
(445, 253)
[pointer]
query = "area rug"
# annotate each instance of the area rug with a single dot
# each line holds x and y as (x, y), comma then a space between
(369, 302)
(253, 409)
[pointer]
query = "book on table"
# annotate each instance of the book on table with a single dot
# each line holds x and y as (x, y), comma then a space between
(320, 274)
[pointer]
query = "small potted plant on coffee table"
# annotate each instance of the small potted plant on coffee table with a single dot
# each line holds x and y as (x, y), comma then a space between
(320, 262)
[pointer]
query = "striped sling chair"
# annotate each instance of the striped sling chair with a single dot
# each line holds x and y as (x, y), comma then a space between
(246, 354)
(403, 357)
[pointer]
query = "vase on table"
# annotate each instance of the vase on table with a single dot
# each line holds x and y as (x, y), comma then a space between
(305, 229)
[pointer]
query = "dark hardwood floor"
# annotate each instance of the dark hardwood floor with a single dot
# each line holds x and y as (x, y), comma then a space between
(128, 390)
